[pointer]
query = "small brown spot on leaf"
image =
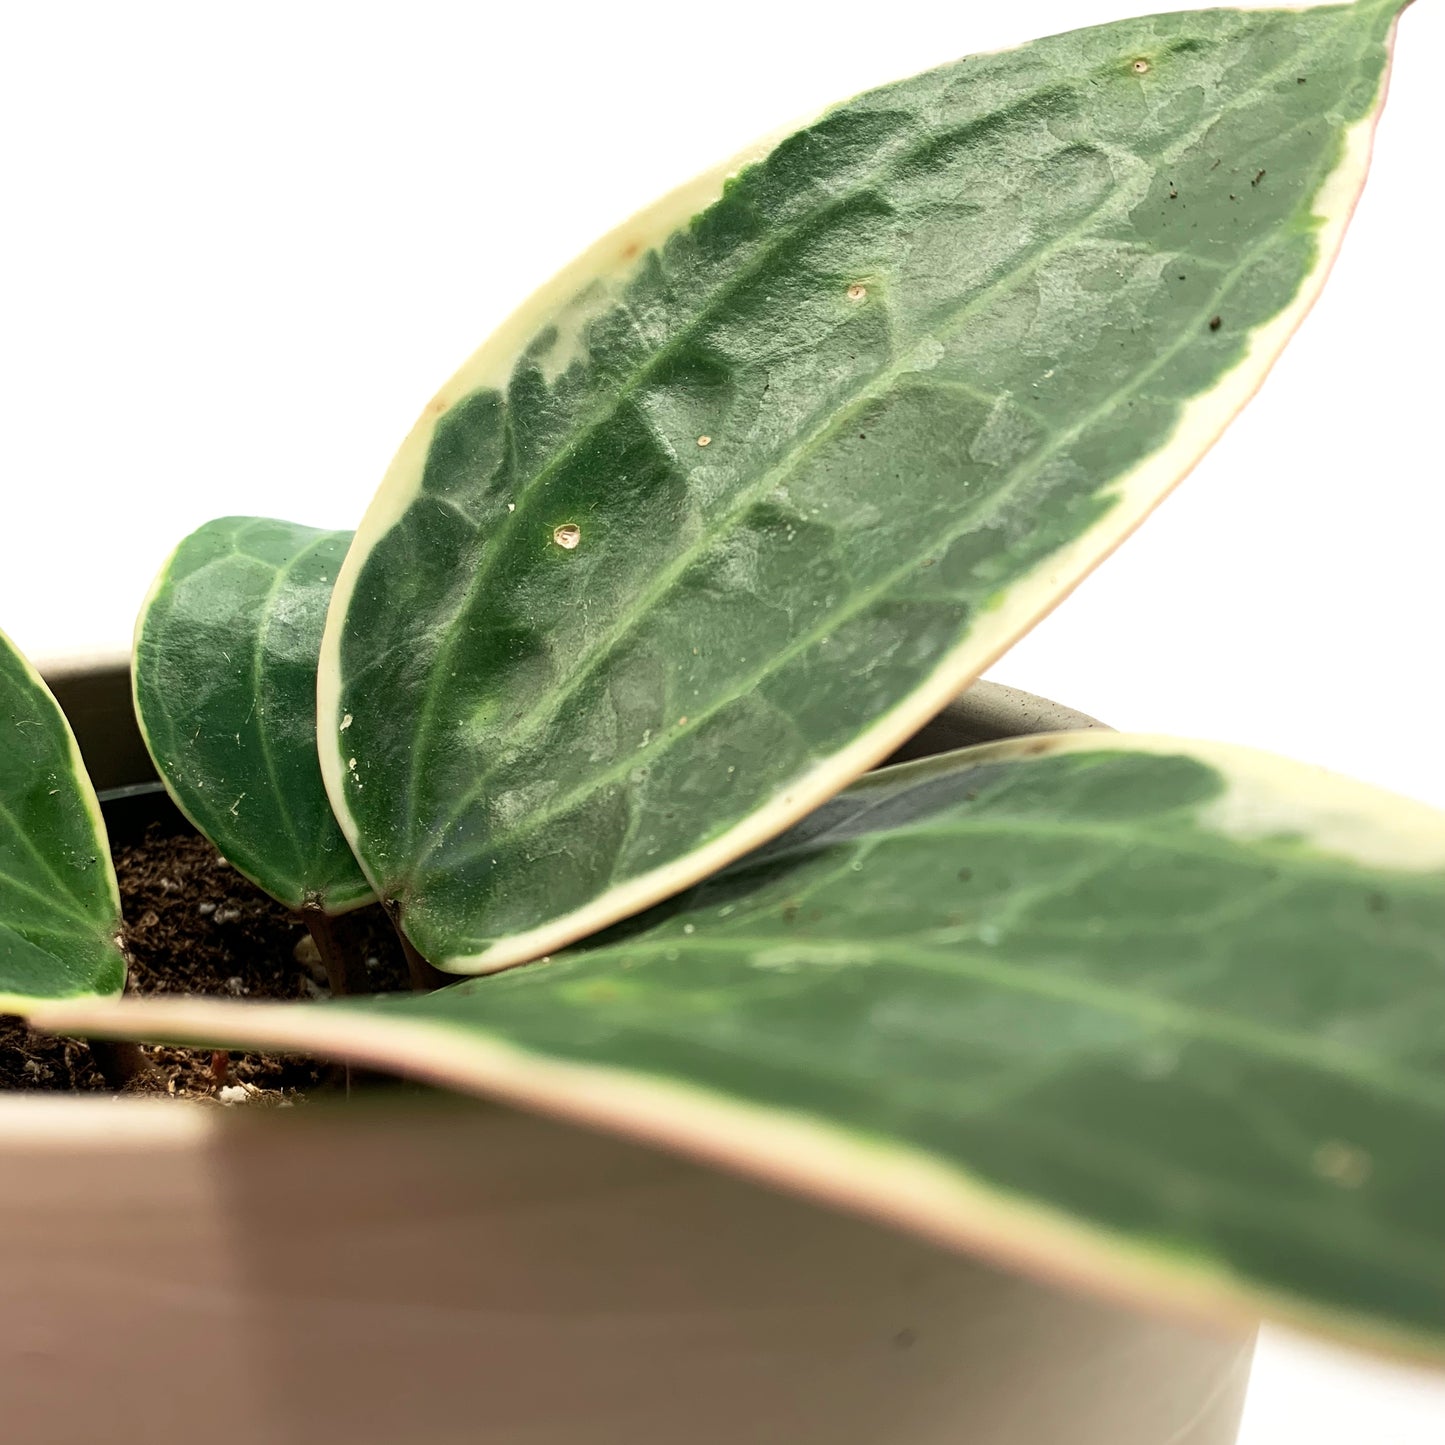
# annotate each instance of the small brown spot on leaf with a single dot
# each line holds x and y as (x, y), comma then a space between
(631, 249)
(1259, 176)
(1215, 322)
(965, 874)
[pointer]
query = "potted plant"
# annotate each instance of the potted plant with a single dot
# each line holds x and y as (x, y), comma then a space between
(714, 524)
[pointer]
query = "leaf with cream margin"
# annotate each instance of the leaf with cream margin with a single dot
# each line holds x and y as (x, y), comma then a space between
(1163, 1019)
(754, 487)
(225, 692)
(59, 904)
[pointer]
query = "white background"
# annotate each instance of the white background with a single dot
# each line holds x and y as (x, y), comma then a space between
(240, 246)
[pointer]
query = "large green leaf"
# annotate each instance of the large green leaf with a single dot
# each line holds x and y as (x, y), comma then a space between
(1160, 1017)
(59, 905)
(225, 690)
(756, 485)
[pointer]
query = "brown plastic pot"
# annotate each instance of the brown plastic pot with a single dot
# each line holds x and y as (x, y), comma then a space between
(433, 1271)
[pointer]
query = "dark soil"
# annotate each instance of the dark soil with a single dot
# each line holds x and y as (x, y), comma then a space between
(196, 926)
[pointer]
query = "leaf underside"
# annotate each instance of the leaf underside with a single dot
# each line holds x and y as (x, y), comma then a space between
(225, 689)
(746, 507)
(1155, 1016)
(59, 906)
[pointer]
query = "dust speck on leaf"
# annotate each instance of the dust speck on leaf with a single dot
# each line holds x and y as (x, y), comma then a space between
(346, 722)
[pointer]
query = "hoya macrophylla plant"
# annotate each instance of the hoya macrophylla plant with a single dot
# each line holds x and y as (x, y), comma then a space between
(1161, 1018)
(225, 692)
(60, 922)
(743, 496)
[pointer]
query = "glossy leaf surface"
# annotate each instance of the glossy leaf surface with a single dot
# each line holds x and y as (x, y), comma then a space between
(1161, 1018)
(752, 489)
(225, 689)
(59, 906)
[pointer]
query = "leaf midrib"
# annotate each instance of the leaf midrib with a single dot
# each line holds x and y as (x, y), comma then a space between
(858, 603)
(1012, 975)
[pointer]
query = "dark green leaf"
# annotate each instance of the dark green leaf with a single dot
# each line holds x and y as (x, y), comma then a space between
(225, 687)
(59, 905)
(752, 489)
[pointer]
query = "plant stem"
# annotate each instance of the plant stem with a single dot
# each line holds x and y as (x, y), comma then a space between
(424, 978)
(344, 971)
(120, 1062)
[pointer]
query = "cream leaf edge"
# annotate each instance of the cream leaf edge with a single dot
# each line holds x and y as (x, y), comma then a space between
(1135, 494)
